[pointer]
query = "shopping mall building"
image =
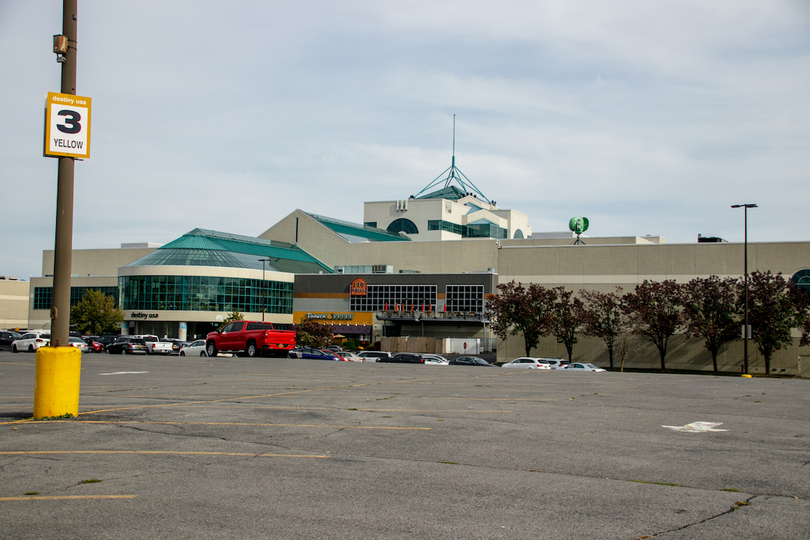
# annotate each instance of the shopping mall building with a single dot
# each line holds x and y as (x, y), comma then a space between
(419, 267)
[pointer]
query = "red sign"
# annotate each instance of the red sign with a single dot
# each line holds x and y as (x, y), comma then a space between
(358, 287)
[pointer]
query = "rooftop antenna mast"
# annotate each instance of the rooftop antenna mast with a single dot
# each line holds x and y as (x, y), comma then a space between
(455, 174)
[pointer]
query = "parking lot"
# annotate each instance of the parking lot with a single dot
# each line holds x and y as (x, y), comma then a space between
(283, 448)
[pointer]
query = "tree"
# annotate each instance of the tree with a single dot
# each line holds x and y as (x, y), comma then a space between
(710, 310)
(775, 306)
(603, 317)
(654, 312)
(234, 316)
(311, 333)
(96, 314)
(567, 319)
(517, 309)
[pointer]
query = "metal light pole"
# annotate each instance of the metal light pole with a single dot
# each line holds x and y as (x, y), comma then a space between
(63, 245)
(745, 208)
(264, 299)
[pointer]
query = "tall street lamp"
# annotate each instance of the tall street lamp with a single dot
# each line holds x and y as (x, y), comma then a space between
(264, 299)
(746, 329)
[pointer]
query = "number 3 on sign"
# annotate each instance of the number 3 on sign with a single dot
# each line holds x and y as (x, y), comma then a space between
(67, 126)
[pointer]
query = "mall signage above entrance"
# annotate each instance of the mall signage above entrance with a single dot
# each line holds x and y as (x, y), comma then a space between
(331, 316)
(358, 287)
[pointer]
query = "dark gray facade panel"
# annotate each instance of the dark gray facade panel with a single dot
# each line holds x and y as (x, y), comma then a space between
(339, 283)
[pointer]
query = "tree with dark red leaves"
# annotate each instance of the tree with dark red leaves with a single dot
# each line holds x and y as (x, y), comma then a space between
(654, 311)
(603, 317)
(526, 310)
(567, 320)
(775, 306)
(711, 311)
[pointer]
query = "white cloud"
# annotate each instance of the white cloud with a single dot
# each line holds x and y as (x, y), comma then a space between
(648, 118)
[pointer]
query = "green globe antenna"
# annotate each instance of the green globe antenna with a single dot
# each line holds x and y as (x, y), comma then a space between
(578, 225)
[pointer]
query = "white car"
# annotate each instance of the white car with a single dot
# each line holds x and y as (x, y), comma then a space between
(435, 360)
(527, 362)
(30, 342)
(351, 357)
(373, 356)
(195, 348)
(583, 367)
(557, 363)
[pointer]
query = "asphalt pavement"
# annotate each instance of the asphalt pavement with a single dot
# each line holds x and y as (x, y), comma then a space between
(214, 448)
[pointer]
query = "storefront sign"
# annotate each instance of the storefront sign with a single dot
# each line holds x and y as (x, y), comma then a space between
(142, 315)
(331, 316)
(358, 287)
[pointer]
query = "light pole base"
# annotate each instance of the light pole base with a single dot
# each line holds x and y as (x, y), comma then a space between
(58, 374)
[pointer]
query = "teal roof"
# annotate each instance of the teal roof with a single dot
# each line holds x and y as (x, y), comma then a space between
(450, 192)
(354, 233)
(202, 247)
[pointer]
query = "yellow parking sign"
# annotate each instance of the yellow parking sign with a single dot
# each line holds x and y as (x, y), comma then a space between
(67, 126)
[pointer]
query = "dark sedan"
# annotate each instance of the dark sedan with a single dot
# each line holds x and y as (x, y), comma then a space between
(127, 345)
(470, 361)
(314, 354)
(6, 338)
(404, 358)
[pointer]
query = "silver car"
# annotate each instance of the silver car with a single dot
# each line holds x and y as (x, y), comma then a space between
(435, 360)
(78, 343)
(528, 362)
(584, 367)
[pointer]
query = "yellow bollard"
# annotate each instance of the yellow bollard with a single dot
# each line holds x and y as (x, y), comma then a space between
(58, 375)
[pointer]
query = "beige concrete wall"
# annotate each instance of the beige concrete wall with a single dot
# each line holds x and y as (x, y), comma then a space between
(14, 298)
(96, 262)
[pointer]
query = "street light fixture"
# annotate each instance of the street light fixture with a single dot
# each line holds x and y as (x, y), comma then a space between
(264, 297)
(746, 328)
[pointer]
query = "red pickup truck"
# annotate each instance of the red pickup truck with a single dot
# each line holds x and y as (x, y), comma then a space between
(250, 338)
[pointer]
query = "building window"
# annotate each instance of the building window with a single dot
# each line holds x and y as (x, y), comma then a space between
(403, 225)
(802, 280)
(202, 293)
(370, 224)
(469, 298)
(396, 297)
(479, 230)
(43, 296)
(518, 234)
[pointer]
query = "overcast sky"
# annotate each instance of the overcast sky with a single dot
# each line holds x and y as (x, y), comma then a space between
(645, 117)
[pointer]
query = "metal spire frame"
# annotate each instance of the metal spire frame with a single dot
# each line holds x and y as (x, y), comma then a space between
(454, 173)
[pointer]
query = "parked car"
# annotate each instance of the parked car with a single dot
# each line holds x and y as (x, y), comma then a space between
(251, 338)
(106, 339)
(352, 356)
(403, 358)
(195, 348)
(557, 363)
(30, 342)
(7, 338)
(308, 353)
(175, 343)
(127, 345)
(435, 360)
(94, 346)
(78, 343)
(470, 361)
(334, 348)
(155, 345)
(584, 367)
(528, 362)
(373, 356)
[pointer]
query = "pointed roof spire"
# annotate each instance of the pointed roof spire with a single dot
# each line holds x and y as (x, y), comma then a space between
(454, 173)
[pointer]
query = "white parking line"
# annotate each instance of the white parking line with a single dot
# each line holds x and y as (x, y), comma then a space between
(123, 372)
(697, 427)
